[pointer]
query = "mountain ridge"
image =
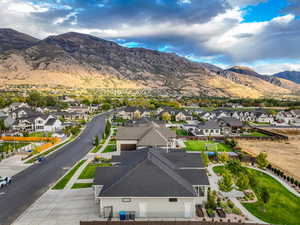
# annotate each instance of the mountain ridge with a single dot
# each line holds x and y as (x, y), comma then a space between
(82, 60)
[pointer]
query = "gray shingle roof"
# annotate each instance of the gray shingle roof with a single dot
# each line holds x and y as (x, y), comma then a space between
(232, 122)
(211, 124)
(153, 131)
(149, 173)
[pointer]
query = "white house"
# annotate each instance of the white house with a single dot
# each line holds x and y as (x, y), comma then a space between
(151, 184)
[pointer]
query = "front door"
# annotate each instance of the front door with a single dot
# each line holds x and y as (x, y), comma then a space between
(143, 209)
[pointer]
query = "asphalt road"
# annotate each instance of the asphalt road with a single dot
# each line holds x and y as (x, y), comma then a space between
(31, 183)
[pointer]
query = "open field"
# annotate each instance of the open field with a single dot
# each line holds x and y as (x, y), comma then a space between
(284, 154)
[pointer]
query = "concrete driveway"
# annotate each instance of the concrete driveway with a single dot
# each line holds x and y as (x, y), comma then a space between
(67, 207)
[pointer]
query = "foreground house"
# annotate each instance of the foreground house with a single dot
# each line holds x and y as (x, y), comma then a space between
(152, 183)
(145, 135)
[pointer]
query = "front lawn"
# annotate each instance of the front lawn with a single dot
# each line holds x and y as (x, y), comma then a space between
(110, 148)
(96, 149)
(206, 146)
(90, 170)
(282, 208)
(81, 185)
(64, 181)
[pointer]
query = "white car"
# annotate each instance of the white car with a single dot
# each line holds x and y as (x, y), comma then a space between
(4, 181)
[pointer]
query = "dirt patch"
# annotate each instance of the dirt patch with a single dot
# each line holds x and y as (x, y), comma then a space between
(283, 154)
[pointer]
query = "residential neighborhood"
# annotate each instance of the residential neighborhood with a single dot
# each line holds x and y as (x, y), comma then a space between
(148, 164)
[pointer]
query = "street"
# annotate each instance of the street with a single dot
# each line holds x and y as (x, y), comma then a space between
(31, 183)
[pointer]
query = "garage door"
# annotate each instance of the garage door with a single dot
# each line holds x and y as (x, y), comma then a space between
(128, 147)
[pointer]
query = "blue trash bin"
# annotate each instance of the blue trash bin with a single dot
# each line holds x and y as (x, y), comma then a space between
(122, 215)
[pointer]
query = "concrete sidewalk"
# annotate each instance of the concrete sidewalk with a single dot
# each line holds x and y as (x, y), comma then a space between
(12, 165)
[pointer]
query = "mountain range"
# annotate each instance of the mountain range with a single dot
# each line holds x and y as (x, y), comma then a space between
(84, 61)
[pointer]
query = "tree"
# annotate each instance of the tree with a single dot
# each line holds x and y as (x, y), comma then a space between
(264, 196)
(243, 182)
(2, 125)
(226, 183)
(96, 143)
(166, 116)
(205, 158)
(223, 157)
(106, 106)
(234, 166)
(262, 161)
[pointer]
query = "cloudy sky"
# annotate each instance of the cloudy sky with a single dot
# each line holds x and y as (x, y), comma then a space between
(263, 34)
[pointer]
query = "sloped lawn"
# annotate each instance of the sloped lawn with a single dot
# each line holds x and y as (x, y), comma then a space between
(282, 208)
(200, 146)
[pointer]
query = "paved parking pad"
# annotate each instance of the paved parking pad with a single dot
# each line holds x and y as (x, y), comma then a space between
(67, 207)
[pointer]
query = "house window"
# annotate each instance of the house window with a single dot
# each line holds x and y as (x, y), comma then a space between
(126, 199)
(173, 199)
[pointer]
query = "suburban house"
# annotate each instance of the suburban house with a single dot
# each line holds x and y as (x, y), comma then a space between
(230, 125)
(151, 183)
(208, 128)
(16, 105)
(183, 116)
(285, 117)
(23, 112)
(37, 123)
(145, 135)
(263, 117)
(133, 113)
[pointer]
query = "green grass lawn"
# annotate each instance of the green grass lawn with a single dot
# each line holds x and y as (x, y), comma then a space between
(64, 181)
(110, 148)
(200, 146)
(181, 132)
(89, 170)
(81, 185)
(255, 134)
(96, 149)
(282, 208)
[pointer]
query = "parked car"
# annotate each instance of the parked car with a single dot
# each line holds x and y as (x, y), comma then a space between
(4, 181)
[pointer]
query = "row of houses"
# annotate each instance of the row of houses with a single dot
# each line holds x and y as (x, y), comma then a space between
(21, 117)
(133, 113)
(256, 115)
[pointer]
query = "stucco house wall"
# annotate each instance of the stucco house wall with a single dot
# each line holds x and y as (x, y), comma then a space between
(152, 207)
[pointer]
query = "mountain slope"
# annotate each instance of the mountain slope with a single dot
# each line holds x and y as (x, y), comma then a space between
(85, 61)
(293, 76)
(11, 40)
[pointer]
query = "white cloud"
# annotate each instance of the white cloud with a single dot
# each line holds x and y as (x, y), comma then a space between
(271, 68)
